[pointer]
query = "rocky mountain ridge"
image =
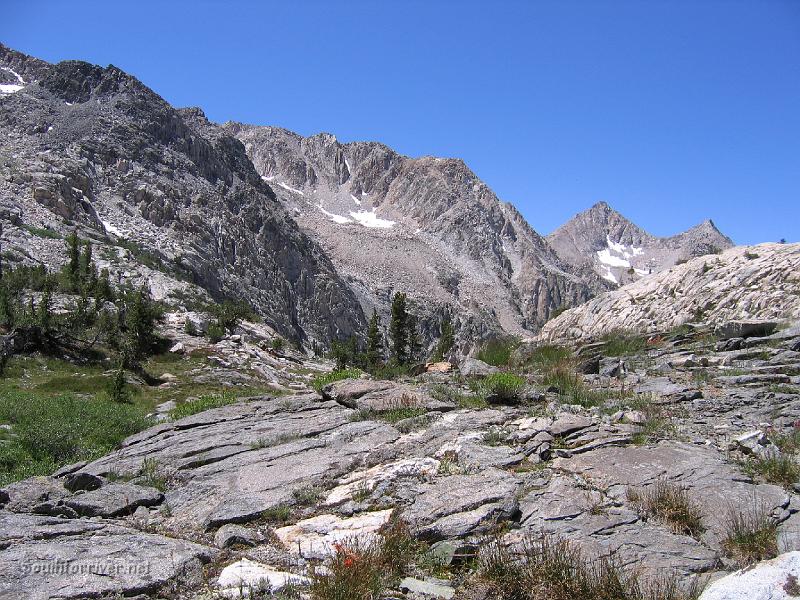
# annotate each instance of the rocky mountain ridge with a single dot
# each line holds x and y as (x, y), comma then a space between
(93, 149)
(425, 226)
(600, 239)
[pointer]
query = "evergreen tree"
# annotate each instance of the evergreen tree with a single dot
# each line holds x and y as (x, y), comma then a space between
(374, 341)
(102, 289)
(117, 389)
(414, 339)
(398, 328)
(140, 317)
(7, 312)
(85, 264)
(72, 269)
(44, 315)
(446, 339)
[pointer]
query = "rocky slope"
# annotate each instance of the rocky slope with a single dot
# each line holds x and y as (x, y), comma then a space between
(170, 198)
(602, 240)
(425, 226)
(744, 282)
(266, 488)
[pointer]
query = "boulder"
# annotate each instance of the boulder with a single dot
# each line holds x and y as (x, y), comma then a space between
(82, 481)
(178, 348)
(113, 500)
(472, 367)
(230, 534)
(776, 579)
(239, 579)
(567, 424)
(315, 537)
(745, 329)
(428, 588)
(47, 557)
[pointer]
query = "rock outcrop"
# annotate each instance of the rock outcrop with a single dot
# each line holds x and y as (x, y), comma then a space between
(745, 282)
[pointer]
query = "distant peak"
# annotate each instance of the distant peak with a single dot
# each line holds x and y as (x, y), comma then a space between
(602, 205)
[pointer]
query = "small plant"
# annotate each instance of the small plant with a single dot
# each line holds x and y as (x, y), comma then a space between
(553, 568)
(151, 474)
(750, 255)
(215, 332)
(117, 388)
(503, 387)
(278, 344)
(446, 393)
(779, 469)
(320, 381)
(497, 352)
(623, 344)
(277, 514)
(203, 403)
(750, 536)
(362, 569)
(547, 357)
(670, 504)
(784, 389)
(308, 495)
(189, 328)
(494, 437)
(269, 442)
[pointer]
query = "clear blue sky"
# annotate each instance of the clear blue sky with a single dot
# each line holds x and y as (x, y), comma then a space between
(672, 112)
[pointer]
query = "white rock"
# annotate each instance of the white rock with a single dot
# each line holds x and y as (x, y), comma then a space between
(178, 348)
(370, 478)
(767, 580)
(239, 579)
(315, 537)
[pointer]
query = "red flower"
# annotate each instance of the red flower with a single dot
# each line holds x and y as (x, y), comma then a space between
(348, 562)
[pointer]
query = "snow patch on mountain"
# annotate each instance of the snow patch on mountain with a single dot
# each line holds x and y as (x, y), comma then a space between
(370, 219)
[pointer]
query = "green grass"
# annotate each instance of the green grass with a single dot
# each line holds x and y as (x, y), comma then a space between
(497, 352)
(781, 470)
(750, 535)
(203, 403)
(446, 393)
(504, 387)
(50, 431)
(544, 358)
(320, 381)
(784, 389)
(43, 232)
(671, 504)
(552, 568)
(277, 514)
(623, 344)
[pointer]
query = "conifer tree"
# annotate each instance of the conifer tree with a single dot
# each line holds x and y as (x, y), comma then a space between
(43, 314)
(74, 260)
(374, 341)
(398, 328)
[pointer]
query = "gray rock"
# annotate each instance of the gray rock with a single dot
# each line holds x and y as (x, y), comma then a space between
(230, 534)
(82, 481)
(460, 505)
(567, 424)
(665, 391)
(47, 557)
(775, 579)
(472, 367)
(113, 500)
(419, 588)
(745, 328)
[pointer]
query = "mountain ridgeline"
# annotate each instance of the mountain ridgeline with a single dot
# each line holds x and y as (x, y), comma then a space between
(312, 233)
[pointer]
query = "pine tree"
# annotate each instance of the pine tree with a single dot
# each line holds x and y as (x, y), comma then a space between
(446, 339)
(374, 341)
(398, 328)
(117, 389)
(43, 314)
(85, 265)
(140, 316)
(414, 339)
(74, 261)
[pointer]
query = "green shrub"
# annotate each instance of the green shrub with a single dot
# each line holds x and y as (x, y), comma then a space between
(320, 381)
(556, 569)
(671, 504)
(497, 352)
(623, 344)
(53, 431)
(117, 387)
(549, 356)
(503, 387)
(781, 470)
(751, 535)
(203, 403)
(278, 344)
(43, 232)
(215, 332)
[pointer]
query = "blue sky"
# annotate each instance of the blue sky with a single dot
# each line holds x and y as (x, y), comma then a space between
(672, 112)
